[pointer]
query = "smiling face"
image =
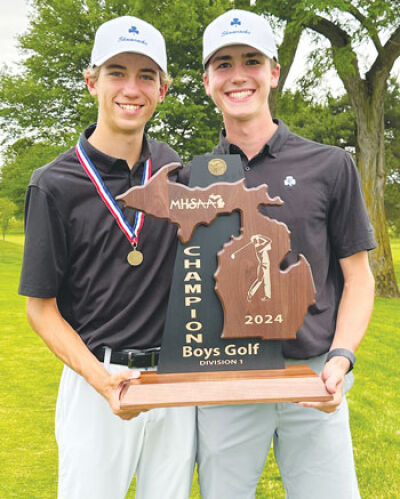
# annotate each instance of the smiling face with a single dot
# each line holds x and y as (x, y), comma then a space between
(127, 89)
(239, 79)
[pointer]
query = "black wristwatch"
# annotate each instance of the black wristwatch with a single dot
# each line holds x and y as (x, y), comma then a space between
(342, 352)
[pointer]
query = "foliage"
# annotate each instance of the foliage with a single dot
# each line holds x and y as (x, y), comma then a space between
(392, 205)
(7, 211)
(329, 123)
(21, 159)
(349, 26)
(392, 152)
(47, 100)
(333, 123)
(29, 382)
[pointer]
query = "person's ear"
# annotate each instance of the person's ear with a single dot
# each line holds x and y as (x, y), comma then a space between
(91, 86)
(206, 83)
(163, 92)
(275, 73)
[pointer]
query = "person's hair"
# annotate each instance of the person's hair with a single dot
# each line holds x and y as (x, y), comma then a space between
(273, 63)
(93, 73)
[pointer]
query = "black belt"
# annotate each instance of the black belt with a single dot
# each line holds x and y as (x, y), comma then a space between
(131, 358)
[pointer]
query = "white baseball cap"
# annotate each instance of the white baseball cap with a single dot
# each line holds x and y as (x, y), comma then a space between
(239, 27)
(128, 34)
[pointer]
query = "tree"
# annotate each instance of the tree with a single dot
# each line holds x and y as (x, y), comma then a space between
(287, 49)
(348, 24)
(392, 154)
(48, 100)
(21, 159)
(334, 123)
(329, 123)
(7, 211)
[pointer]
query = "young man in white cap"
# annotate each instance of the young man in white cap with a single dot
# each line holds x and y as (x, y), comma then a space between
(325, 213)
(97, 279)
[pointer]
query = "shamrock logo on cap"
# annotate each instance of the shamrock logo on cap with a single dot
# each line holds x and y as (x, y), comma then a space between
(235, 22)
(133, 29)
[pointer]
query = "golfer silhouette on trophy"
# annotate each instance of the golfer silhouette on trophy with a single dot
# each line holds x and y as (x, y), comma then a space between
(262, 245)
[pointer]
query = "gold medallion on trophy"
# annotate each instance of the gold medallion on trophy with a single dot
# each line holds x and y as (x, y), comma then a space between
(217, 166)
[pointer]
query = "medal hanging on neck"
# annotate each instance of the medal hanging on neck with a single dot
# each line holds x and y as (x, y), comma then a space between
(135, 257)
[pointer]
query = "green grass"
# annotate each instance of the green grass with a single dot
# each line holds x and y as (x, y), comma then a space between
(29, 377)
(15, 238)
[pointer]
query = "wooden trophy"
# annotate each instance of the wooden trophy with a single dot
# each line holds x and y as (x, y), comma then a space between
(230, 304)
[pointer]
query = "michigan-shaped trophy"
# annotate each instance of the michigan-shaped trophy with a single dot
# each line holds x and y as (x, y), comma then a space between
(231, 300)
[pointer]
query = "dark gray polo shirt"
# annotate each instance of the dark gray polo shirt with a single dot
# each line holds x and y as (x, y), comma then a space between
(75, 251)
(325, 213)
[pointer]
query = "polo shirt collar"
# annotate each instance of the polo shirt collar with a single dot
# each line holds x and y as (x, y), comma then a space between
(102, 161)
(272, 147)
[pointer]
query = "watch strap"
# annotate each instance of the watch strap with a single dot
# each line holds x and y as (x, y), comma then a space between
(342, 352)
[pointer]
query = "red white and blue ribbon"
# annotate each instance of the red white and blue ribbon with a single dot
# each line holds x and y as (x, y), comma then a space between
(131, 232)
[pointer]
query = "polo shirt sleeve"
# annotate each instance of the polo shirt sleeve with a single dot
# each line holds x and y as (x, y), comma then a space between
(184, 175)
(45, 252)
(350, 230)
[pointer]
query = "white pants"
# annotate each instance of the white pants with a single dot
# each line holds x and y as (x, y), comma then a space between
(313, 449)
(99, 453)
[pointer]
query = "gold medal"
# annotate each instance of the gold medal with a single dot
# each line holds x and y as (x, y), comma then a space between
(135, 257)
(217, 166)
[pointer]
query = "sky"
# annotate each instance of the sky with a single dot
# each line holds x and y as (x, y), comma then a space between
(14, 21)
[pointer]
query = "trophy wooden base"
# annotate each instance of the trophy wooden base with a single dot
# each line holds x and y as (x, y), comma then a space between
(293, 384)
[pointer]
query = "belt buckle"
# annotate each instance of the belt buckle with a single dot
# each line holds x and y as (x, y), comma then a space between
(153, 359)
(131, 358)
(136, 355)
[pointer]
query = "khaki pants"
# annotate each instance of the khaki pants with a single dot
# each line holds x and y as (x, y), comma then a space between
(99, 452)
(313, 449)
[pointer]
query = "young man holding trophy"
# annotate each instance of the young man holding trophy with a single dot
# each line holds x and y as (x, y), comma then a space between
(325, 213)
(97, 277)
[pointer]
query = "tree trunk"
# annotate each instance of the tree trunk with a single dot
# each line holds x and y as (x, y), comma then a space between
(371, 165)
(287, 53)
